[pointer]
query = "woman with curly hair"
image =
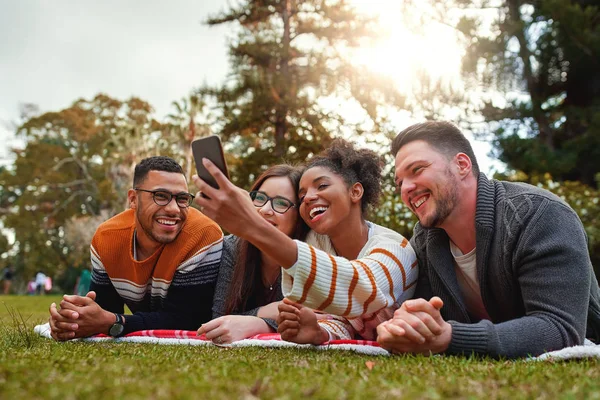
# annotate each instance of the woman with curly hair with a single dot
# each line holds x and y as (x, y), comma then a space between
(355, 271)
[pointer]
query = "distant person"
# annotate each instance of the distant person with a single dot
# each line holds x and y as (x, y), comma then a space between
(40, 283)
(249, 283)
(504, 267)
(31, 286)
(48, 285)
(160, 258)
(7, 277)
(82, 285)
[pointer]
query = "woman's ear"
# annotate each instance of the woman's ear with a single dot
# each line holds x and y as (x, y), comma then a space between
(356, 192)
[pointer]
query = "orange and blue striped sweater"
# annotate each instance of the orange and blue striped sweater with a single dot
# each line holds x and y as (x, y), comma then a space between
(171, 289)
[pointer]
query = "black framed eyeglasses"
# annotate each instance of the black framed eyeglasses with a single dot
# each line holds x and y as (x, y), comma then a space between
(162, 198)
(279, 204)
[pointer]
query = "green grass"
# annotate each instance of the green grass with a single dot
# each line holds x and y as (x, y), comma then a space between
(32, 367)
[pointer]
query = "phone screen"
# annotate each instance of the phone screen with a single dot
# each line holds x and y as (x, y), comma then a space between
(209, 147)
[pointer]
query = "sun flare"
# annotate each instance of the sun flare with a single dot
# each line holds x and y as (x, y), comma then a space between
(403, 54)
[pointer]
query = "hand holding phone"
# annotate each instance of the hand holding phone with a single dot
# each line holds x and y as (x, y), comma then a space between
(209, 147)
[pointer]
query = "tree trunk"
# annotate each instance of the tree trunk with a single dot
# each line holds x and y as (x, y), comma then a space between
(546, 132)
(282, 108)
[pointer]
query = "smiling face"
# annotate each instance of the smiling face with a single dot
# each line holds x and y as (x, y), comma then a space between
(325, 200)
(158, 224)
(427, 183)
(282, 187)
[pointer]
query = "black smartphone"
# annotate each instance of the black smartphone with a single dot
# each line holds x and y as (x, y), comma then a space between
(209, 147)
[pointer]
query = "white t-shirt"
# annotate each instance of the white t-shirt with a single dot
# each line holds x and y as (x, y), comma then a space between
(40, 279)
(465, 267)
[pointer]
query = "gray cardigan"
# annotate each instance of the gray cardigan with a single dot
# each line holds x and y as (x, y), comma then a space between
(228, 260)
(536, 278)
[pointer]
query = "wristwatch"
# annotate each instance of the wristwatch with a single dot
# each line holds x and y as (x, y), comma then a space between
(117, 328)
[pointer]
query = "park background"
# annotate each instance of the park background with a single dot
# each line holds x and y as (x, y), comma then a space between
(88, 89)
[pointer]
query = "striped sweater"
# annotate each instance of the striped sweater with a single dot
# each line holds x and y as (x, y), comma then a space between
(171, 289)
(365, 291)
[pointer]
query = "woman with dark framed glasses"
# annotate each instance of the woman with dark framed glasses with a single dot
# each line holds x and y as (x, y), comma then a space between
(249, 283)
(356, 271)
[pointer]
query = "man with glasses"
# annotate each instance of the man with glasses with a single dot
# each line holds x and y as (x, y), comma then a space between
(160, 258)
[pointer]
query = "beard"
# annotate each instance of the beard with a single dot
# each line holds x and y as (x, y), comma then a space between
(444, 203)
(155, 236)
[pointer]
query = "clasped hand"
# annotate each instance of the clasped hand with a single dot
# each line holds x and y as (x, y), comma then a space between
(299, 324)
(78, 317)
(417, 327)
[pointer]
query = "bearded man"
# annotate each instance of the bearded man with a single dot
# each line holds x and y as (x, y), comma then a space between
(504, 268)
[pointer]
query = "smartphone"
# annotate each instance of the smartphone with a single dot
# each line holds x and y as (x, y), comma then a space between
(209, 147)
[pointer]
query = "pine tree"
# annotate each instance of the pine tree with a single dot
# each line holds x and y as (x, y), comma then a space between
(287, 58)
(536, 65)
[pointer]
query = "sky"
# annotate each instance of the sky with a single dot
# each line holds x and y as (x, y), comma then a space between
(54, 52)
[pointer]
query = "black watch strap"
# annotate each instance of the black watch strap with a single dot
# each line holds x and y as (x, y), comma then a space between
(117, 328)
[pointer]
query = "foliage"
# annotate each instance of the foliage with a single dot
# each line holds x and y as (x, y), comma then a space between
(288, 58)
(4, 245)
(138, 371)
(16, 332)
(535, 66)
(585, 200)
(77, 163)
(190, 121)
(78, 232)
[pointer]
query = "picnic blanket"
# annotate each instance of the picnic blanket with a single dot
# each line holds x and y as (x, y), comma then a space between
(189, 338)
(177, 337)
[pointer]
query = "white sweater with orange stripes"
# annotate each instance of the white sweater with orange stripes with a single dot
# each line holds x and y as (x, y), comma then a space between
(365, 291)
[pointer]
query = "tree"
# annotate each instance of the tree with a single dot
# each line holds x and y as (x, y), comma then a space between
(536, 66)
(77, 163)
(4, 244)
(289, 56)
(189, 122)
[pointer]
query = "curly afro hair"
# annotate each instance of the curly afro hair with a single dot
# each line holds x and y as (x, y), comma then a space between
(353, 165)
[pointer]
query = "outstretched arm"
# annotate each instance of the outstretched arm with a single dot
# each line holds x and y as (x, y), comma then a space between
(383, 278)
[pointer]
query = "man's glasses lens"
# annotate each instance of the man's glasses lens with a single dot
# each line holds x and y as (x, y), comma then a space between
(279, 204)
(161, 198)
(182, 199)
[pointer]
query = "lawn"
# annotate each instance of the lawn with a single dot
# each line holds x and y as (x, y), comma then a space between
(33, 367)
